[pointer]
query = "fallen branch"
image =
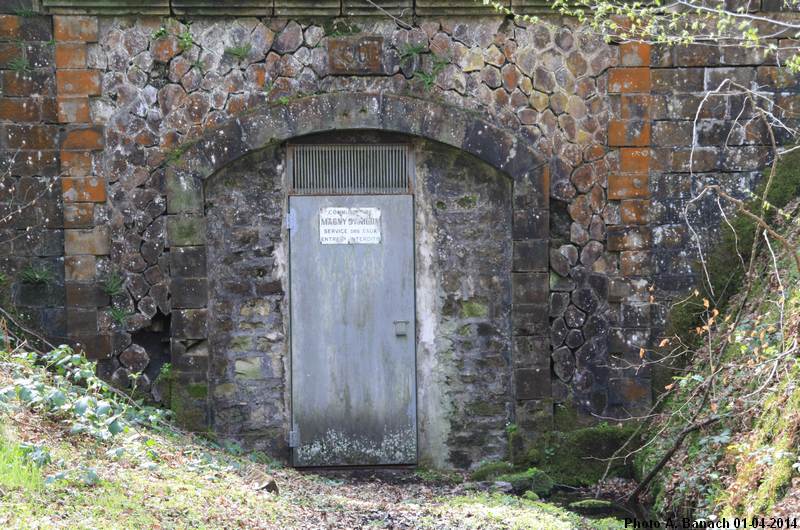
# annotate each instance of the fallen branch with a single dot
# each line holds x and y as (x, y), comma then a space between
(668, 455)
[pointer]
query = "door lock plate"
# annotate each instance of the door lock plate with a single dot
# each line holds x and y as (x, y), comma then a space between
(401, 328)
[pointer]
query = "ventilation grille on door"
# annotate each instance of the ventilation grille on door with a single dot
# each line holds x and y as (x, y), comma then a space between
(349, 169)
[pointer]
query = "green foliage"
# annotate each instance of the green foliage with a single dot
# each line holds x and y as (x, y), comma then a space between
(165, 372)
(241, 51)
(340, 27)
(36, 275)
(577, 458)
(19, 64)
(68, 391)
(176, 154)
(160, 33)
(429, 78)
(490, 470)
(119, 315)
(113, 284)
(185, 39)
(283, 100)
(412, 50)
(531, 479)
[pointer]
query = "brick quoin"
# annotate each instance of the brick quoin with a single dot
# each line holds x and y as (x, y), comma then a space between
(70, 55)
(73, 28)
(84, 189)
(628, 80)
(89, 139)
(78, 82)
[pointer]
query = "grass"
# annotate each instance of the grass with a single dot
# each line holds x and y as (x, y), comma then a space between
(240, 52)
(36, 275)
(119, 315)
(17, 471)
(114, 284)
(152, 475)
(19, 65)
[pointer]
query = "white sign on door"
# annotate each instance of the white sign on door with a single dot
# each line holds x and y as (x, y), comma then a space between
(350, 226)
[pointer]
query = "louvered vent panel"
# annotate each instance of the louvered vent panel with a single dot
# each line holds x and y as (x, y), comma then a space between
(222, 7)
(532, 7)
(288, 8)
(106, 7)
(455, 7)
(398, 8)
(349, 169)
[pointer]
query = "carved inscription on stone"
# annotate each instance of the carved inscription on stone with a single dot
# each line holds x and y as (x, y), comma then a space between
(355, 55)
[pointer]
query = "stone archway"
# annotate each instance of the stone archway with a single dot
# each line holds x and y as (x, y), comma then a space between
(195, 161)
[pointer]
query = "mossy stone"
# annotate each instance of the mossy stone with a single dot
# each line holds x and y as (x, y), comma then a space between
(472, 308)
(490, 470)
(532, 479)
(576, 458)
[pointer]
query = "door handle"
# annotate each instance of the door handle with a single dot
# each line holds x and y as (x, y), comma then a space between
(401, 328)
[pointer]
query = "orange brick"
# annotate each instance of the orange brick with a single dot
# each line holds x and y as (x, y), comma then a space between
(628, 187)
(19, 109)
(78, 82)
(76, 164)
(72, 28)
(629, 133)
(635, 211)
(73, 110)
(71, 55)
(89, 139)
(10, 26)
(83, 189)
(627, 80)
(634, 54)
(634, 160)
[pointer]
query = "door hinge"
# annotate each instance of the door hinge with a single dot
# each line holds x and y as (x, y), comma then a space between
(291, 220)
(294, 438)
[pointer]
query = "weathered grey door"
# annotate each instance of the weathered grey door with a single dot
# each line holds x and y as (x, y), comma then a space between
(352, 330)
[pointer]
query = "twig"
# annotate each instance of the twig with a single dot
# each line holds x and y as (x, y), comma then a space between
(26, 330)
(668, 455)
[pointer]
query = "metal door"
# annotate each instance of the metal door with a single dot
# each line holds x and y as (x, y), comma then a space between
(352, 330)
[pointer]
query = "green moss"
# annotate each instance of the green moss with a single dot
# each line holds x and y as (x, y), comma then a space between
(577, 458)
(467, 201)
(531, 479)
(441, 205)
(490, 470)
(472, 308)
(437, 476)
(197, 390)
(530, 496)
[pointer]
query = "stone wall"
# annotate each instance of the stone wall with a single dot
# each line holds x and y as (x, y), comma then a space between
(151, 108)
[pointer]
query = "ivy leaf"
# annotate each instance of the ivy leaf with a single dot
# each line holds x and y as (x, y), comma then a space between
(115, 427)
(81, 405)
